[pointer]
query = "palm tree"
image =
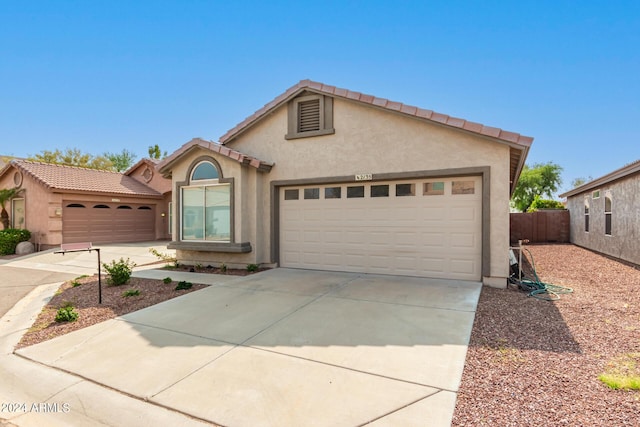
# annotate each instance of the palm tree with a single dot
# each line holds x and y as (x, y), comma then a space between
(7, 194)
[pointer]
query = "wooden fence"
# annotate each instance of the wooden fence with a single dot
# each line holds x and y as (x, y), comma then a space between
(540, 227)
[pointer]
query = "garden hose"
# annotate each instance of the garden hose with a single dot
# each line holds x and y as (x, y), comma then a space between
(538, 289)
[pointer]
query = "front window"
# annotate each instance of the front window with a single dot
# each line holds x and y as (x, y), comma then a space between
(206, 206)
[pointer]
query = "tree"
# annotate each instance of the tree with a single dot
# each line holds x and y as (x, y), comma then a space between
(577, 182)
(538, 180)
(6, 194)
(155, 153)
(73, 157)
(121, 161)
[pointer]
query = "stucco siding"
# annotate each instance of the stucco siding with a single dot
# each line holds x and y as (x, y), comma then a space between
(624, 241)
(369, 140)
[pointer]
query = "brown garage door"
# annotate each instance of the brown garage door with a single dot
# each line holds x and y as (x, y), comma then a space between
(98, 222)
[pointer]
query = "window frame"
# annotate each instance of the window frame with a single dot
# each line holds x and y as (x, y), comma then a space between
(608, 215)
(203, 183)
(23, 216)
(587, 209)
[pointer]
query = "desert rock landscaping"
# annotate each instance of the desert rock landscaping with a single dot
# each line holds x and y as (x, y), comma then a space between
(538, 363)
(82, 295)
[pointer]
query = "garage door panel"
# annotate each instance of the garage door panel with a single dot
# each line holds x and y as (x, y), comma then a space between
(134, 222)
(420, 235)
(463, 240)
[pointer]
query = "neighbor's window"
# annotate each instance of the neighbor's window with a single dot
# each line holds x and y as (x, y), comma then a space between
(206, 206)
(607, 214)
(462, 187)
(17, 213)
(596, 194)
(433, 188)
(586, 214)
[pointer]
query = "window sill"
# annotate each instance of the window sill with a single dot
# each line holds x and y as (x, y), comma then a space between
(238, 248)
(310, 133)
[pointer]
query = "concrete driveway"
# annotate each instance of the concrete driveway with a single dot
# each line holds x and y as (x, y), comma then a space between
(287, 348)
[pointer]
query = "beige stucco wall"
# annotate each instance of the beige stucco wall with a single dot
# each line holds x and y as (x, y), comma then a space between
(370, 140)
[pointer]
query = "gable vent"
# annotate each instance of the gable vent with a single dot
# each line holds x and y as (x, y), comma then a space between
(309, 115)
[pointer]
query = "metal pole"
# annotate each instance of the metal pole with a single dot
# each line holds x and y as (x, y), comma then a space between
(99, 279)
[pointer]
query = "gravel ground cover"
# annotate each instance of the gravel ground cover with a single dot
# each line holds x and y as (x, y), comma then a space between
(536, 363)
(85, 302)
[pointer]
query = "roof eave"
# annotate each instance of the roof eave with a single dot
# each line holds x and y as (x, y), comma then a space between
(617, 174)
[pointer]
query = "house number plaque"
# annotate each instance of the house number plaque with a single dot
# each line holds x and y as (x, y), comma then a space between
(364, 177)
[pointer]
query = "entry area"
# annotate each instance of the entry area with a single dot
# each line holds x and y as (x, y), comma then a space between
(100, 222)
(421, 227)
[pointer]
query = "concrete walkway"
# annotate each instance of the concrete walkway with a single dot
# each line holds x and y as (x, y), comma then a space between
(283, 348)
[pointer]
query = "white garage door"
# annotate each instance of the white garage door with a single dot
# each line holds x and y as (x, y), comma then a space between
(427, 227)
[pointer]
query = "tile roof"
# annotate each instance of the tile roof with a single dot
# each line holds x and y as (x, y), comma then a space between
(261, 165)
(623, 172)
(519, 144)
(506, 136)
(145, 160)
(70, 178)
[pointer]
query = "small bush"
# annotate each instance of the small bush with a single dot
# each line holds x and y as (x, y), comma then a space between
(251, 268)
(131, 293)
(10, 238)
(223, 268)
(164, 257)
(119, 271)
(75, 283)
(183, 285)
(167, 280)
(66, 313)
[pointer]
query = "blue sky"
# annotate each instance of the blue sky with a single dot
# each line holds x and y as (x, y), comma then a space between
(109, 75)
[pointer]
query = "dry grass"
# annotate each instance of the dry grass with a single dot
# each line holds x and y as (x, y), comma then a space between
(533, 362)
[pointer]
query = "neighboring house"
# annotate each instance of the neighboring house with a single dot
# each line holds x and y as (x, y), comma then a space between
(605, 213)
(326, 178)
(63, 204)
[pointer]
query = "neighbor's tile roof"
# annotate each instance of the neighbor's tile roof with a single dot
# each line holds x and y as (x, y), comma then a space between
(493, 132)
(239, 157)
(70, 178)
(623, 172)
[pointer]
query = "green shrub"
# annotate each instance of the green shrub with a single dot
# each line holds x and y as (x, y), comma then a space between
(167, 280)
(539, 203)
(119, 271)
(75, 283)
(66, 313)
(131, 293)
(10, 238)
(183, 285)
(223, 268)
(251, 268)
